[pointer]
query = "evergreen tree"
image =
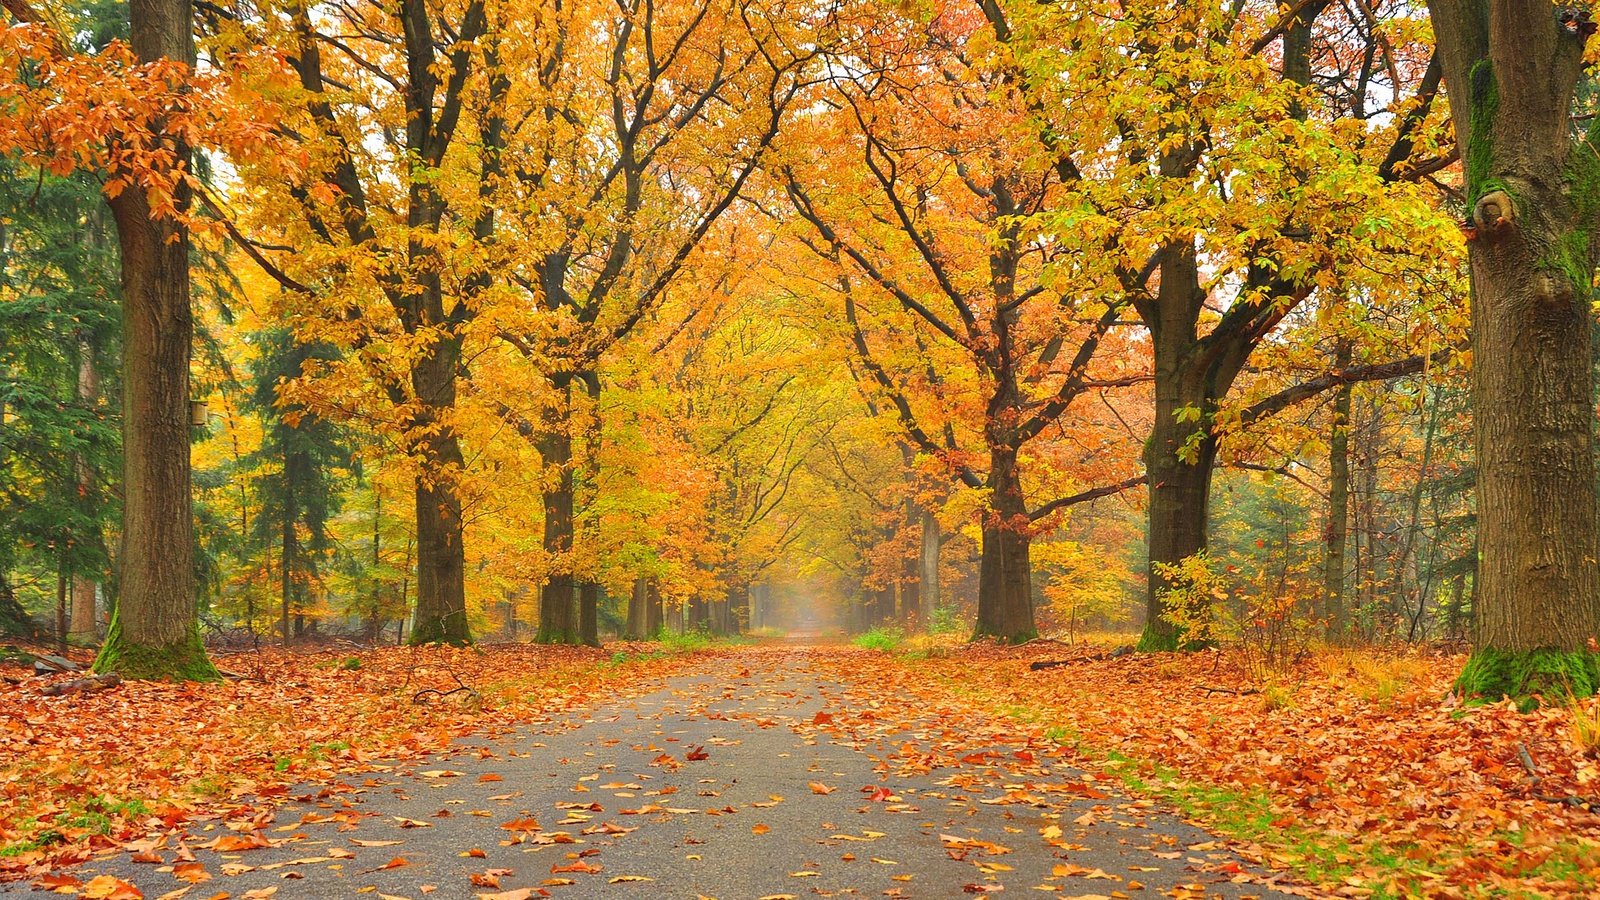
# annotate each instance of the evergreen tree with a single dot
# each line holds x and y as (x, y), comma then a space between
(295, 472)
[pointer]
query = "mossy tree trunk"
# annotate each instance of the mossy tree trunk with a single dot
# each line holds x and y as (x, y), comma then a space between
(154, 630)
(1533, 193)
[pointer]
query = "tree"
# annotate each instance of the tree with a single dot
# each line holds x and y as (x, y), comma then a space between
(643, 122)
(295, 475)
(936, 214)
(1218, 233)
(58, 439)
(1533, 199)
(154, 631)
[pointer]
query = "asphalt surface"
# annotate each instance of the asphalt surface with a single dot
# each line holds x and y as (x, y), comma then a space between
(728, 785)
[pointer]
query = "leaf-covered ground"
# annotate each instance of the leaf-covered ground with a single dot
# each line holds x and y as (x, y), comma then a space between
(1354, 772)
(84, 771)
(761, 772)
(1356, 769)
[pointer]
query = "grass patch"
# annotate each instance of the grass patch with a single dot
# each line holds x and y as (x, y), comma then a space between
(884, 638)
(1374, 677)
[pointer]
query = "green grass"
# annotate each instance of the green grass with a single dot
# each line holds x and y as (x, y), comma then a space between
(884, 638)
(697, 639)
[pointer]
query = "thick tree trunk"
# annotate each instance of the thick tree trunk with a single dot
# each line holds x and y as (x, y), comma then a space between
(672, 617)
(441, 614)
(636, 629)
(154, 630)
(1534, 195)
(910, 599)
(654, 618)
(558, 620)
(1005, 589)
(929, 574)
(1337, 530)
(1179, 460)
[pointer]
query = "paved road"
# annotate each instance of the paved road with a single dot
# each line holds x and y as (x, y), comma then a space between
(755, 780)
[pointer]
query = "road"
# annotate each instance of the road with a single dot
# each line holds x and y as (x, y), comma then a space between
(762, 777)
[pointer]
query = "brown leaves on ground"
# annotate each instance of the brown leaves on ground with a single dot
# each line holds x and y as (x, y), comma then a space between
(149, 756)
(1369, 751)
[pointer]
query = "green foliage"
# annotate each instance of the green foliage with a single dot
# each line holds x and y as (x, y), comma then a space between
(295, 473)
(946, 620)
(58, 319)
(687, 641)
(884, 638)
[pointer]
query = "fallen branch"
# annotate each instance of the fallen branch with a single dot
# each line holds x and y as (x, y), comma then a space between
(1038, 664)
(1222, 690)
(1526, 758)
(417, 697)
(83, 685)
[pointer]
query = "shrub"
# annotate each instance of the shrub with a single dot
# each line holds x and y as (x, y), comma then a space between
(882, 638)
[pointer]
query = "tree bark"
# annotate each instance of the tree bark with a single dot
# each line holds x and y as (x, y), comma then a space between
(558, 620)
(1337, 530)
(638, 603)
(441, 615)
(1534, 193)
(1005, 590)
(654, 614)
(589, 613)
(83, 627)
(1179, 459)
(929, 559)
(154, 631)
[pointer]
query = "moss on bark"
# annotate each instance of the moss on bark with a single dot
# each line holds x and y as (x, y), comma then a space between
(1158, 640)
(450, 629)
(1020, 637)
(1529, 676)
(183, 661)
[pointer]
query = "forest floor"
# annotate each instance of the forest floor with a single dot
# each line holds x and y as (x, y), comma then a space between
(1356, 769)
(778, 770)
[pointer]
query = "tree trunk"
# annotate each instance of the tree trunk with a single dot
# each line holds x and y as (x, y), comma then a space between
(910, 599)
(62, 617)
(558, 619)
(738, 607)
(441, 615)
(83, 627)
(1337, 530)
(1005, 589)
(285, 581)
(1534, 193)
(154, 631)
(653, 618)
(636, 629)
(589, 613)
(672, 617)
(929, 559)
(1179, 460)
